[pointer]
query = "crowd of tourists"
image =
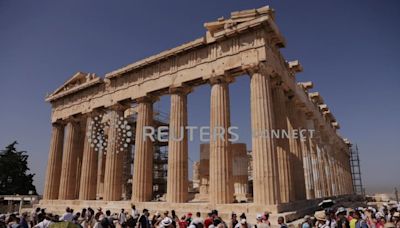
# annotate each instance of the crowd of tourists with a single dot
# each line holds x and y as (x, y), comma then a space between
(384, 217)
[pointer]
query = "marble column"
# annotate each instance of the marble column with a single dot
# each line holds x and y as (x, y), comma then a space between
(53, 172)
(296, 153)
(286, 185)
(221, 182)
(68, 177)
(265, 170)
(177, 182)
(240, 164)
(314, 158)
(100, 175)
(142, 185)
(307, 160)
(88, 179)
(114, 157)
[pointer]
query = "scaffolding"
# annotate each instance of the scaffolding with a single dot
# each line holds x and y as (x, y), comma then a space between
(358, 187)
(160, 156)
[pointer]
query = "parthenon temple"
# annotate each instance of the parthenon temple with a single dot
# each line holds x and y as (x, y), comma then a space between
(99, 156)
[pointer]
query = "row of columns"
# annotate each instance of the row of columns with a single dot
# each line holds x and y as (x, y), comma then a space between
(284, 169)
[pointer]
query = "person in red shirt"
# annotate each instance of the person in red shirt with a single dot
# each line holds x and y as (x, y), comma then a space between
(209, 220)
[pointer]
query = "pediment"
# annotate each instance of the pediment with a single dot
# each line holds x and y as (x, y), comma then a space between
(77, 82)
(238, 17)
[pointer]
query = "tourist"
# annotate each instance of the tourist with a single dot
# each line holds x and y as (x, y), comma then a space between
(260, 222)
(243, 224)
(34, 215)
(281, 222)
(330, 218)
(342, 222)
(189, 218)
(67, 216)
(183, 223)
(144, 219)
(166, 222)
(198, 221)
(233, 221)
(360, 222)
(209, 220)
(266, 218)
(307, 222)
(75, 219)
(320, 217)
(122, 218)
(156, 219)
(396, 219)
(45, 223)
(135, 215)
(41, 215)
(23, 220)
(3, 221)
(175, 219)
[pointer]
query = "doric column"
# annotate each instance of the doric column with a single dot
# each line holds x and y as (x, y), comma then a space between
(265, 173)
(221, 183)
(314, 158)
(177, 183)
(295, 152)
(240, 165)
(142, 185)
(114, 157)
(52, 184)
(307, 160)
(286, 185)
(101, 164)
(88, 178)
(69, 178)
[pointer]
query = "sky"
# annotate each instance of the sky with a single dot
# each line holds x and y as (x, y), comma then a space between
(349, 50)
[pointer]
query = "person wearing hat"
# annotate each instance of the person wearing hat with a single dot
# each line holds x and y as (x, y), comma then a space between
(166, 222)
(260, 223)
(307, 222)
(341, 221)
(320, 216)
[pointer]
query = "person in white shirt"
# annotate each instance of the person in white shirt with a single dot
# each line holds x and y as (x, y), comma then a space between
(122, 218)
(44, 224)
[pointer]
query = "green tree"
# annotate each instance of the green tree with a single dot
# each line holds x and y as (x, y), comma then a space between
(14, 178)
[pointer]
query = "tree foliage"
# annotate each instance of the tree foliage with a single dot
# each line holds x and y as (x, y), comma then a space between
(14, 178)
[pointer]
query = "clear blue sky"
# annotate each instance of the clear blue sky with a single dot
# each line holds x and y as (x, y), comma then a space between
(349, 49)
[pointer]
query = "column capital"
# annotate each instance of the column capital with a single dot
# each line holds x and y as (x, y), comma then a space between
(147, 99)
(218, 79)
(263, 68)
(180, 90)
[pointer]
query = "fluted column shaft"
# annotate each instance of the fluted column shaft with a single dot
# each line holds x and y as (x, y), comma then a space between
(177, 183)
(69, 170)
(142, 186)
(296, 153)
(265, 173)
(307, 161)
(314, 160)
(114, 158)
(52, 184)
(286, 184)
(221, 181)
(88, 179)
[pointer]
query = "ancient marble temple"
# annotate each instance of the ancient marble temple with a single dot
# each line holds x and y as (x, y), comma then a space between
(86, 166)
